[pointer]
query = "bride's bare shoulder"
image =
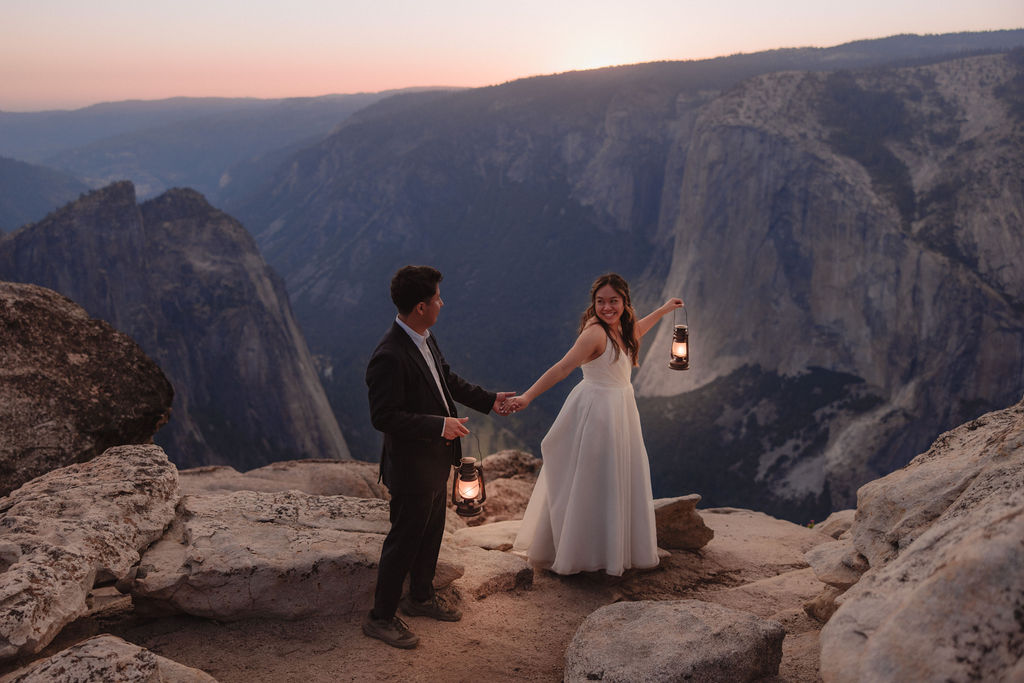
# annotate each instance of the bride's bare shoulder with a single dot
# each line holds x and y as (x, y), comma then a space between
(592, 338)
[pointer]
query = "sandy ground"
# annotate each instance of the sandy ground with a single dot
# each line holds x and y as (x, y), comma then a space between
(520, 635)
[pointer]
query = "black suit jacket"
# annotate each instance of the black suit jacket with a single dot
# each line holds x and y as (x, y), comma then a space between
(406, 406)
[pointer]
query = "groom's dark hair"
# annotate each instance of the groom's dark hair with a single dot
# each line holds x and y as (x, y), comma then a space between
(413, 284)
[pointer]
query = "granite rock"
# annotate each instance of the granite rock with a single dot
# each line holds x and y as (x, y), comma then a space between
(679, 524)
(944, 596)
(638, 642)
(72, 528)
(107, 658)
(284, 555)
(72, 386)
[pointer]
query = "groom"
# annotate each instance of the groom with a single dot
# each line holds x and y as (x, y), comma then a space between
(412, 394)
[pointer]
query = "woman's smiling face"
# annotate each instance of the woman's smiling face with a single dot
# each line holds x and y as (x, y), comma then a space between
(609, 305)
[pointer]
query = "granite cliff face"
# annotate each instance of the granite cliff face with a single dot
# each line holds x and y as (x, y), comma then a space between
(188, 284)
(868, 223)
(521, 194)
(845, 241)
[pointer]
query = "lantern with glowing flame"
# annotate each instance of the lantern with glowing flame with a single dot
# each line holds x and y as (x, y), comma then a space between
(680, 346)
(468, 492)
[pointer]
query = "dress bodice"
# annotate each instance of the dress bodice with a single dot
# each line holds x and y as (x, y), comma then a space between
(609, 368)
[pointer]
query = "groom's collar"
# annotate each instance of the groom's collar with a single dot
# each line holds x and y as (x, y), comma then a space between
(417, 338)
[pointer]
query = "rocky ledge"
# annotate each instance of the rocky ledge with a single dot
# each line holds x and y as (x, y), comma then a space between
(932, 554)
(930, 576)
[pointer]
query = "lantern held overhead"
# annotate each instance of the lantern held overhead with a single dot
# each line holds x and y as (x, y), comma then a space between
(680, 347)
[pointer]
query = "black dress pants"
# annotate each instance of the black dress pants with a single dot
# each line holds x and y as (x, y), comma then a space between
(410, 548)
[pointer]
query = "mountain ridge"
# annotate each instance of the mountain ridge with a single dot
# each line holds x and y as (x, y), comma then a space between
(28, 192)
(187, 282)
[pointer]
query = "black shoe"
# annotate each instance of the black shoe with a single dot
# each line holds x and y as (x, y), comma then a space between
(393, 631)
(431, 608)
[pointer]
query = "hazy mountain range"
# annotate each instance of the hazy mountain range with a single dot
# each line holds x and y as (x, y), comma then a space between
(209, 144)
(844, 225)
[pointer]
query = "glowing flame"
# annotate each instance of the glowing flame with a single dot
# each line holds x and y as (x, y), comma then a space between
(469, 490)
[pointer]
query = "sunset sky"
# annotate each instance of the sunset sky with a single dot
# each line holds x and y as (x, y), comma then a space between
(61, 54)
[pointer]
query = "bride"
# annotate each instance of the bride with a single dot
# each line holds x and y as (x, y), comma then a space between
(592, 507)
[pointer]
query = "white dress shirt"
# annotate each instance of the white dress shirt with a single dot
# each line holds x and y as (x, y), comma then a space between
(420, 340)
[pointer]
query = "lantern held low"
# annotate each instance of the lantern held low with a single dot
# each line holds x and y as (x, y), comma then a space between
(468, 491)
(680, 347)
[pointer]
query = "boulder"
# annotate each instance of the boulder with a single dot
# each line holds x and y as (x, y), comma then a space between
(72, 387)
(942, 599)
(321, 477)
(72, 528)
(673, 640)
(837, 563)
(679, 524)
(107, 658)
(510, 464)
(284, 554)
(837, 524)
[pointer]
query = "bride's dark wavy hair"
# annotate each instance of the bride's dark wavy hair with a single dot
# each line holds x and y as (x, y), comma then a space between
(628, 319)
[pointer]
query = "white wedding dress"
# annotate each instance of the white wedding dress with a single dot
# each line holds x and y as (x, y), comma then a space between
(592, 506)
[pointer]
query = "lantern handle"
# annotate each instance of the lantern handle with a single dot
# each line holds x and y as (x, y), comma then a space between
(483, 485)
(686, 318)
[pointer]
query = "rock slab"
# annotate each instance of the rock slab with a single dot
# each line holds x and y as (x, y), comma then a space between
(72, 528)
(283, 555)
(321, 477)
(491, 571)
(107, 658)
(677, 640)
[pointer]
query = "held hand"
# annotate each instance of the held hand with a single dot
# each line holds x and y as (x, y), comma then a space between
(517, 403)
(454, 427)
(501, 406)
(673, 303)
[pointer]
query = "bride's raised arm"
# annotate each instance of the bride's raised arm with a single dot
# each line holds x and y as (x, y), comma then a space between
(644, 325)
(589, 345)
